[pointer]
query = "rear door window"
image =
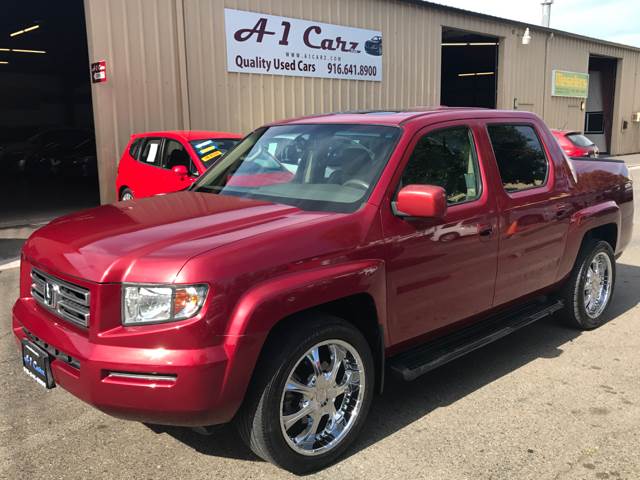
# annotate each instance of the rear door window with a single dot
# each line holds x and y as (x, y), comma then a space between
(520, 156)
(151, 152)
(134, 149)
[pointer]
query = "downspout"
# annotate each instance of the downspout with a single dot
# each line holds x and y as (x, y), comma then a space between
(181, 32)
(546, 74)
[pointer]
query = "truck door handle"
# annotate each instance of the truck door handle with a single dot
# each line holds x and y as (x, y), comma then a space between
(485, 230)
(562, 210)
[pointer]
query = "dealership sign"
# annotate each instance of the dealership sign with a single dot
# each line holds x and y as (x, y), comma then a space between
(570, 84)
(271, 45)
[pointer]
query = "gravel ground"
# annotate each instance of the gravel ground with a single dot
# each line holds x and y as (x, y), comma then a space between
(545, 403)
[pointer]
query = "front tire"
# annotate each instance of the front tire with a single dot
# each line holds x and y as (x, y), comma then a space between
(310, 394)
(126, 195)
(589, 290)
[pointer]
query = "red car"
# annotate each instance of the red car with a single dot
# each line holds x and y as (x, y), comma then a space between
(397, 242)
(164, 162)
(575, 144)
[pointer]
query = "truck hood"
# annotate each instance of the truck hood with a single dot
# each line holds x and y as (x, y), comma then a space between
(149, 240)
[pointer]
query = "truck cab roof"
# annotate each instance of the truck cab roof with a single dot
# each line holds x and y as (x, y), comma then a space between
(399, 117)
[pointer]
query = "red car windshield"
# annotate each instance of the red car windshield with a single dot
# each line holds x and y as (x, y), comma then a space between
(312, 167)
(210, 150)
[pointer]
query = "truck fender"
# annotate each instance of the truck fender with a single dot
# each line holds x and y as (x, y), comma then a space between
(263, 306)
(582, 221)
(260, 308)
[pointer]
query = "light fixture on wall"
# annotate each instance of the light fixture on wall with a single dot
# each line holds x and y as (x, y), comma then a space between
(476, 74)
(25, 30)
(22, 50)
(526, 38)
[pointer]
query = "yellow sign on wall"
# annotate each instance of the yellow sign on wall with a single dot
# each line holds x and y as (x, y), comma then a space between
(570, 84)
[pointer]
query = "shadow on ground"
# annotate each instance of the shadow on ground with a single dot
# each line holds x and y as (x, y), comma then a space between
(403, 403)
(10, 248)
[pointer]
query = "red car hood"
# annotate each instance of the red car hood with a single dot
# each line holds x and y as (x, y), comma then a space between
(149, 240)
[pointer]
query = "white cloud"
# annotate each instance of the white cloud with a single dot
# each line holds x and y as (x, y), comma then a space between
(613, 20)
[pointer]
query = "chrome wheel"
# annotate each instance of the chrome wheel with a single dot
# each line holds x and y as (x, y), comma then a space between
(597, 285)
(322, 397)
(127, 196)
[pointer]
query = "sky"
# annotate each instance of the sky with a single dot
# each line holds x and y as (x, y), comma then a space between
(613, 20)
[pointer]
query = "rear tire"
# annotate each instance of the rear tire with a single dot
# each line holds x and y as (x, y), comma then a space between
(589, 289)
(126, 195)
(300, 374)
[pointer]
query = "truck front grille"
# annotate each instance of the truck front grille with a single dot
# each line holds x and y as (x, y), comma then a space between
(64, 299)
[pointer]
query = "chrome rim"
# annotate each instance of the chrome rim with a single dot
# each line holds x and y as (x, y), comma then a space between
(597, 286)
(322, 397)
(127, 196)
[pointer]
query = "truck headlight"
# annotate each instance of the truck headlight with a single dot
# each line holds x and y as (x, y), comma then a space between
(144, 304)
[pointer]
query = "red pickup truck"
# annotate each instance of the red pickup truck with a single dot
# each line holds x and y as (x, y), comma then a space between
(400, 241)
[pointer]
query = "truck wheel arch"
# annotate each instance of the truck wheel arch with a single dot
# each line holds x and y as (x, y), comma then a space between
(607, 232)
(272, 305)
(600, 221)
(263, 306)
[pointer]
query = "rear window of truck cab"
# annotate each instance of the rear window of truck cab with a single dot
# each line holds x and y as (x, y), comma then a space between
(521, 158)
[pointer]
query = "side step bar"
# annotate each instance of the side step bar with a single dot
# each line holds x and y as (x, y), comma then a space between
(411, 364)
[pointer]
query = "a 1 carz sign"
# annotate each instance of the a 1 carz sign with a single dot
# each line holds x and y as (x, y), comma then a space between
(259, 43)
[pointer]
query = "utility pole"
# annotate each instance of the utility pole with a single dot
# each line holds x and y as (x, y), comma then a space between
(546, 12)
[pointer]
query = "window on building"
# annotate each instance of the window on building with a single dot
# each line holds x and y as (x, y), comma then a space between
(594, 123)
(446, 158)
(520, 156)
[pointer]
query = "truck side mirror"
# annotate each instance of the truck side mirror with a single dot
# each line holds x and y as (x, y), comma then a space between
(421, 201)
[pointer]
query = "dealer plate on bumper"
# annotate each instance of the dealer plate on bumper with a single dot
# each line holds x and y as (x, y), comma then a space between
(37, 364)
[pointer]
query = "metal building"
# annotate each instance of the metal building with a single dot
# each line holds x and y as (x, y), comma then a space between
(166, 66)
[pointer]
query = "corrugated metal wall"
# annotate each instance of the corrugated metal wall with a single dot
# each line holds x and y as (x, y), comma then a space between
(167, 69)
(139, 39)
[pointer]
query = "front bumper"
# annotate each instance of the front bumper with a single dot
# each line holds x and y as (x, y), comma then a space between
(187, 387)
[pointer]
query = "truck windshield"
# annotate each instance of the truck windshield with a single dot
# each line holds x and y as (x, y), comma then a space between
(312, 167)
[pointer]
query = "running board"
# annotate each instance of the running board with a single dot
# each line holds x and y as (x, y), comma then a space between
(411, 364)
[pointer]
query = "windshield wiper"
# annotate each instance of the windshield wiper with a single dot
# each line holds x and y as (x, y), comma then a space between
(207, 188)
